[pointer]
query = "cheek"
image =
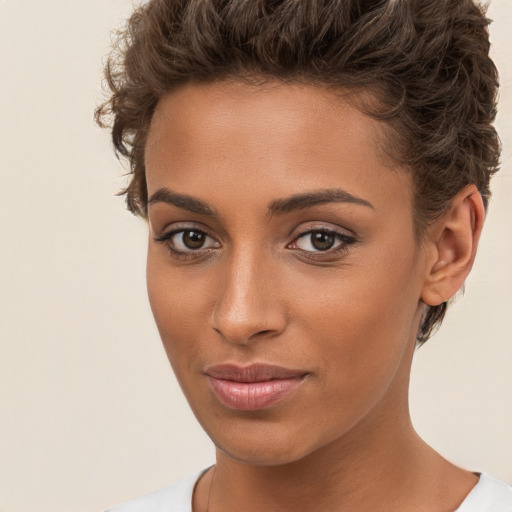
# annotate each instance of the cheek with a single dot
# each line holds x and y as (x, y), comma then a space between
(363, 317)
(178, 305)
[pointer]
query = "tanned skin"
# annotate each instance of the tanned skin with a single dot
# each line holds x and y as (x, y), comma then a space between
(222, 159)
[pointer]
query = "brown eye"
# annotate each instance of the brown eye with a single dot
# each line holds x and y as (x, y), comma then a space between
(322, 240)
(188, 240)
(319, 240)
(193, 239)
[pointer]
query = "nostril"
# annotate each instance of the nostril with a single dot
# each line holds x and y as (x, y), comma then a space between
(244, 335)
(263, 333)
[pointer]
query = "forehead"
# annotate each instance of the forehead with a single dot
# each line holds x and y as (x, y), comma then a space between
(271, 112)
(287, 137)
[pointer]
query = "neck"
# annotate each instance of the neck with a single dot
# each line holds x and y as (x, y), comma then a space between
(336, 475)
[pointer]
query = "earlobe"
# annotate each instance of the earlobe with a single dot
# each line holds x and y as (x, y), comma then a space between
(454, 240)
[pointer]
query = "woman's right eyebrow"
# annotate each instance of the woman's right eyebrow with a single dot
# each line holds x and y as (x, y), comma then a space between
(182, 201)
(276, 207)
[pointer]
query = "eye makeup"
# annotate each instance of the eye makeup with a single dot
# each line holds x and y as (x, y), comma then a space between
(317, 243)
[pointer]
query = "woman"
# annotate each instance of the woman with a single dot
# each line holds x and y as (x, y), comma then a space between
(315, 176)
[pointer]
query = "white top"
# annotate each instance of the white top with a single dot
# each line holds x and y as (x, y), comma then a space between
(488, 495)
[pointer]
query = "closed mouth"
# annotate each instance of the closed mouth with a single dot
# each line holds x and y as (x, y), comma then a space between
(257, 372)
(253, 387)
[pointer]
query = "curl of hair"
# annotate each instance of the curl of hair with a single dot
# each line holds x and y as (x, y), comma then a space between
(426, 64)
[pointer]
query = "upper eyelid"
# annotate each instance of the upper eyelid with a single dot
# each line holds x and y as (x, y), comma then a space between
(313, 229)
(185, 226)
(344, 238)
(169, 233)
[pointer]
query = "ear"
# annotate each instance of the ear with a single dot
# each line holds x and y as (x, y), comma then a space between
(452, 242)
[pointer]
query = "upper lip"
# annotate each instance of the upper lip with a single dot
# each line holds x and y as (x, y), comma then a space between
(253, 373)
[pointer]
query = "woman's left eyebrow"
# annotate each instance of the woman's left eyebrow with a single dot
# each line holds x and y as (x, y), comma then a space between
(276, 207)
(314, 198)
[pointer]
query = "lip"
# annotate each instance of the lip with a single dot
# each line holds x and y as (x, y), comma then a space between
(253, 387)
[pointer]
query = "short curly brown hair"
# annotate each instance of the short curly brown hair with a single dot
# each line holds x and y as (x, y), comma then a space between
(426, 64)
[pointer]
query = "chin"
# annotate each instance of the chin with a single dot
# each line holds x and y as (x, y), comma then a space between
(258, 456)
(265, 446)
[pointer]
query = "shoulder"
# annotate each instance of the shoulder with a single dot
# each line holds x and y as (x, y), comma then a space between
(174, 498)
(489, 495)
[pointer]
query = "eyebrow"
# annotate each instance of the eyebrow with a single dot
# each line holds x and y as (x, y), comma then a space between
(314, 198)
(182, 201)
(276, 207)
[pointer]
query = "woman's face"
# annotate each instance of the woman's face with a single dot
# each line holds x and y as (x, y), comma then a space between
(283, 271)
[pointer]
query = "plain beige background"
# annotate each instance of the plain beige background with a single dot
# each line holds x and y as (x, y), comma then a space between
(90, 413)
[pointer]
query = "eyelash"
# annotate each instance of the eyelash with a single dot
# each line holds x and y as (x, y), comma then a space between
(345, 242)
(344, 239)
(165, 238)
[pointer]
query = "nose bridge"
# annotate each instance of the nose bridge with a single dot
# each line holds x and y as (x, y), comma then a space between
(247, 303)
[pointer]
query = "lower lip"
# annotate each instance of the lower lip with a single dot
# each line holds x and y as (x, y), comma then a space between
(251, 396)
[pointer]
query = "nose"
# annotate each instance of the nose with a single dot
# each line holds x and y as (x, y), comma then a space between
(249, 305)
